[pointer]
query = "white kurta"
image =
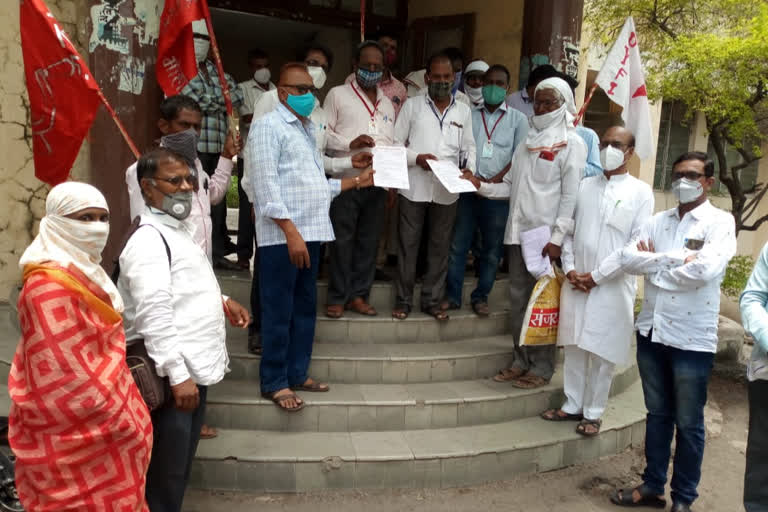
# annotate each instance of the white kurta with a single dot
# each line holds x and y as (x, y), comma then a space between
(608, 214)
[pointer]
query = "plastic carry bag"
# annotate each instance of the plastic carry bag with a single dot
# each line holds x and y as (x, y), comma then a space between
(542, 316)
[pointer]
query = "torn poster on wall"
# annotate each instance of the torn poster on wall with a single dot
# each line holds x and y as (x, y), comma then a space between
(131, 75)
(108, 26)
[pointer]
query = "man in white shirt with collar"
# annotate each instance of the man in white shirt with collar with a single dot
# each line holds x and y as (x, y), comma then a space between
(597, 305)
(252, 90)
(541, 188)
(683, 253)
(433, 127)
(173, 302)
(360, 116)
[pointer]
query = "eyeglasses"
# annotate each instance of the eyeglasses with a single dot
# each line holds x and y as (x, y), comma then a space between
(689, 175)
(546, 104)
(302, 89)
(176, 181)
(614, 144)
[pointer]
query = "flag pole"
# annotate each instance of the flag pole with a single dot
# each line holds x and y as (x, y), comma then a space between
(362, 20)
(219, 67)
(585, 105)
(119, 124)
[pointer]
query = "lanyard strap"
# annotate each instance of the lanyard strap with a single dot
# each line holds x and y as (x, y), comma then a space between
(482, 113)
(439, 118)
(372, 113)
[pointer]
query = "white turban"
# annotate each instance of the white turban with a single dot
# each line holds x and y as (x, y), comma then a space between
(549, 132)
(68, 241)
(476, 66)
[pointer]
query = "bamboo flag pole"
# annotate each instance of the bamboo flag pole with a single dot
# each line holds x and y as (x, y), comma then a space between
(362, 20)
(219, 68)
(120, 125)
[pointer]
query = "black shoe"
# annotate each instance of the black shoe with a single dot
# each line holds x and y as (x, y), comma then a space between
(680, 507)
(224, 264)
(381, 276)
(254, 343)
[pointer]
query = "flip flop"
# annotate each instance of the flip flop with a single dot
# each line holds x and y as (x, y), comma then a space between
(334, 311)
(509, 374)
(554, 415)
(314, 387)
(625, 498)
(529, 381)
(360, 306)
(280, 400)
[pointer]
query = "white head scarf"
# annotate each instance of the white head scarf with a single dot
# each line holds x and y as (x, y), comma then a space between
(67, 241)
(549, 132)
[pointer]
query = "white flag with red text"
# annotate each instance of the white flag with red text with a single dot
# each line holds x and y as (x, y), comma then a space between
(622, 79)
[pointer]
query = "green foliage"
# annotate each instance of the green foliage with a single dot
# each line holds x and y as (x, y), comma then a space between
(233, 199)
(711, 55)
(736, 276)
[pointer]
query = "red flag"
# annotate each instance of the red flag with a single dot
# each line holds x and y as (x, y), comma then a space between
(63, 95)
(176, 64)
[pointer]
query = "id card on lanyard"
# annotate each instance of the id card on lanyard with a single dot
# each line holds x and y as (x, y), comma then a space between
(488, 146)
(371, 113)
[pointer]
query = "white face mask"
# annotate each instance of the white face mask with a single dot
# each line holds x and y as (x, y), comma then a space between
(89, 237)
(318, 76)
(201, 49)
(262, 76)
(544, 121)
(687, 191)
(611, 158)
(475, 94)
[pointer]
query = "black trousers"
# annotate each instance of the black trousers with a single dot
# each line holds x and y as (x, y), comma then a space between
(219, 235)
(357, 217)
(756, 474)
(176, 434)
(246, 231)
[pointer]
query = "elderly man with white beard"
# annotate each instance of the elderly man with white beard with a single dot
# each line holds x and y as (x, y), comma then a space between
(596, 305)
(541, 188)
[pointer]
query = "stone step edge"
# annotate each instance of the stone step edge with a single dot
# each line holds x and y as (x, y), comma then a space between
(457, 457)
(623, 378)
(236, 353)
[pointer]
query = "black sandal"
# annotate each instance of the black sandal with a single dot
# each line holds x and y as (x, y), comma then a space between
(401, 311)
(437, 312)
(625, 498)
(581, 428)
(554, 415)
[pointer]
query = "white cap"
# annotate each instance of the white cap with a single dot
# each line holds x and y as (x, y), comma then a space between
(199, 27)
(476, 65)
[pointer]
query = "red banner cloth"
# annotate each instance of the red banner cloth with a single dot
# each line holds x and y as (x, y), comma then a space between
(176, 64)
(63, 95)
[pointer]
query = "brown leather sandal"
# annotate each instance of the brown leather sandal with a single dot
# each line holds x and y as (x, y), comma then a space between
(509, 374)
(282, 399)
(529, 381)
(334, 310)
(359, 305)
(312, 386)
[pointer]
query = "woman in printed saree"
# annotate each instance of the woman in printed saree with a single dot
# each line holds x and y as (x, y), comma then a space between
(79, 428)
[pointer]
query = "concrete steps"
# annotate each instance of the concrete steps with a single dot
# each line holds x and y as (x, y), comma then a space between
(235, 404)
(238, 286)
(258, 461)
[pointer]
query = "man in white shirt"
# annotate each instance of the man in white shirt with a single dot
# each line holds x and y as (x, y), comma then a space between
(173, 302)
(522, 100)
(432, 127)
(252, 89)
(416, 81)
(683, 253)
(360, 116)
(597, 303)
(541, 188)
(754, 315)
(179, 124)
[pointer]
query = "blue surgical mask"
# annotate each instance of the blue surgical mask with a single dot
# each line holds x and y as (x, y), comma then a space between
(368, 79)
(303, 105)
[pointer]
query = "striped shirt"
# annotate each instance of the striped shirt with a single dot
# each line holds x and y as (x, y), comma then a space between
(289, 179)
(207, 91)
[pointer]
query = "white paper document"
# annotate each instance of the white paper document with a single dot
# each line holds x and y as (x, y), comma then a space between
(391, 166)
(450, 176)
(532, 242)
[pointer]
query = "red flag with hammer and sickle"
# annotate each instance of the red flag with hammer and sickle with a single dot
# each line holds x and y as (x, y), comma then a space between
(63, 95)
(176, 63)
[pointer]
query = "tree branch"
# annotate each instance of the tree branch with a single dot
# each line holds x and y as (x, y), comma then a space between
(755, 225)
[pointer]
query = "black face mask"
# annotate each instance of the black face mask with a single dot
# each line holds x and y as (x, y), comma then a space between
(184, 143)
(439, 90)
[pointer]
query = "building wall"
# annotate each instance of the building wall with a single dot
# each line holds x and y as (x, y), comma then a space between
(21, 194)
(498, 28)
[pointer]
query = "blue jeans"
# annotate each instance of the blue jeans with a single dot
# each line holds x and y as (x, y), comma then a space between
(288, 311)
(675, 388)
(490, 217)
(176, 434)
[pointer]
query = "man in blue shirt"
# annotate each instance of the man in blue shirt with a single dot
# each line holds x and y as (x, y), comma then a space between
(498, 129)
(755, 318)
(292, 198)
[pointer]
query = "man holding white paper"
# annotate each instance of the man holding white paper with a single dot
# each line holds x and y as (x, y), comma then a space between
(432, 127)
(360, 116)
(541, 188)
